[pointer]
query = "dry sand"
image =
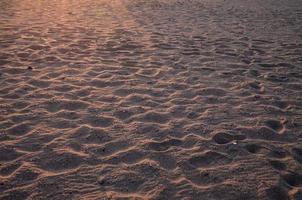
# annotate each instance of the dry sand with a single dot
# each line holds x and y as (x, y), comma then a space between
(151, 99)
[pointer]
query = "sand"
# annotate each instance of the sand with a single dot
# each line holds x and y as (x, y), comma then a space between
(151, 99)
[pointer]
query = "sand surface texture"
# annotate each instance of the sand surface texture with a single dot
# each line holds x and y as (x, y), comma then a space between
(151, 99)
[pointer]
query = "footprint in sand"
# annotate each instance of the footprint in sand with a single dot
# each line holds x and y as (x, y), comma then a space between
(278, 165)
(274, 124)
(297, 154)
(293, 179)
(225, 138)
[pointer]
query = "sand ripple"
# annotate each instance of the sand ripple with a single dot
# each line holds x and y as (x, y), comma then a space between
(150, 99)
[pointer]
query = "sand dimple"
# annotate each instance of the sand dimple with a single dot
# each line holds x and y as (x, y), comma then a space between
(25, 176)
(58, 161)
(130, 156)
(222, 138)
(140, 99)
(253, 148)
(16, 195)
(212, 91)
(54, 106)
(99, 121)
(19, 129)
(279, 165)
(293, 179)
(155, 117)
(276, 193)
(164, 145)
(8, 154)
(9, 168)
(123, 114)
(89, 135)
(34, 142)
(209, 159)
(123, 182)
(297, 154)
(274, 124)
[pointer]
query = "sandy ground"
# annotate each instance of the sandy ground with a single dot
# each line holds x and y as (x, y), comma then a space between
(151, 99)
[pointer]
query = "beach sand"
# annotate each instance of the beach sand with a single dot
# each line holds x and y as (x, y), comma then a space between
(151, 99)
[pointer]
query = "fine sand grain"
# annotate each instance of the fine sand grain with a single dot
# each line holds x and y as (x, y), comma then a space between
(151, 99)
